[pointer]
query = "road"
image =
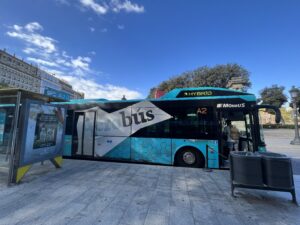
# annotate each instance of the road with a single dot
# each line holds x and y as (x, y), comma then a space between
(278, 140)
(107, 193)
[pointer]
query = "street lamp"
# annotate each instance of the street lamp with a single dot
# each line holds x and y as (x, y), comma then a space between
(294, 95)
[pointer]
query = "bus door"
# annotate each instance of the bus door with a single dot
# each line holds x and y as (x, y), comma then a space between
(237, 128)
(83, 136)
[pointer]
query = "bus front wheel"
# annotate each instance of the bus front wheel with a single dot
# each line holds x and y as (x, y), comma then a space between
(189, 157)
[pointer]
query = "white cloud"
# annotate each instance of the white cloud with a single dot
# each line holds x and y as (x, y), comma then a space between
(54, 72)
(76, 70)
(115, 6)
(81, 63)
(32, 38)
(42, 62)
(17, 28)
(92, 53)
(31, 27)
(29, 51)
(126, 6)
(63, 2)
(94, 90)
(63, 62)
(96, 7)
(121, 27)
(104, 30)
(65, 55)
(92, 29)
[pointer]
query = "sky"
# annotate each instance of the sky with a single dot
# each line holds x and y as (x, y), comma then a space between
(107, 48)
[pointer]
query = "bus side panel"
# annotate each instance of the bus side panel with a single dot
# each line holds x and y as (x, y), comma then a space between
(121, 151)
(156, 150)
(67, 149)
(213, 159)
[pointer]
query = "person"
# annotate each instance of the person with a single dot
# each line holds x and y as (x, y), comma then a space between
(232, 135)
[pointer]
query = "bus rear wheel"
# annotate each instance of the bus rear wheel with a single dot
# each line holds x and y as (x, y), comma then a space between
(189, 157)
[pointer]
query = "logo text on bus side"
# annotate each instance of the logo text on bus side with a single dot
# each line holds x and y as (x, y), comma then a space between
(198, 93)
(230, 105)
(137, 118)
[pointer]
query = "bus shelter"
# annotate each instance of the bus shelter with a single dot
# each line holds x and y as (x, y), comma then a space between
(18, 108)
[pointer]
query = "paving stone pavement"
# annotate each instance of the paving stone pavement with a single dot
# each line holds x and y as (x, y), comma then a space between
(90, 192)
(278, 140)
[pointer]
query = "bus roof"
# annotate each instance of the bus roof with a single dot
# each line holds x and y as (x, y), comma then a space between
(196, 93)
(207, 93)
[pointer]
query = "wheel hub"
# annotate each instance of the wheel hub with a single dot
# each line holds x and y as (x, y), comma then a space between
(189, 158)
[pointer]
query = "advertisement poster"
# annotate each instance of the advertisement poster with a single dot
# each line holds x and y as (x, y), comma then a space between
(58, 94)
(43, 131)
(2, 126)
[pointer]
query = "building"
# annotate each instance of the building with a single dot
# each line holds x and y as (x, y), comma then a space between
(55, 87)
(78, 95)
(237, 83)
(16, 73)
(158, 93)
(48, 82)
(286, 115)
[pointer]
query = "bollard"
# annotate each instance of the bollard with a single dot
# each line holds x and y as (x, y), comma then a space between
(206, 169)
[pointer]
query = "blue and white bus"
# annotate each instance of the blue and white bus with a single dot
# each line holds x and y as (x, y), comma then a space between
(185, 127)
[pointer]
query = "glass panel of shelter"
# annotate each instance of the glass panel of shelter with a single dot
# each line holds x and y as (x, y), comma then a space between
(7, 120)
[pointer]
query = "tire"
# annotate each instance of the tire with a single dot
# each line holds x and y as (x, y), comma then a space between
(189, 157)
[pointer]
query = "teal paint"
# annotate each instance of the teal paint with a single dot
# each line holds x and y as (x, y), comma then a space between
(121, 151)
(67, 151)
(249, 98)
(200, 145)
(156, 150)
(162, 150)
(170, 96)
(173, 93)
(262, 148)
(7, 105)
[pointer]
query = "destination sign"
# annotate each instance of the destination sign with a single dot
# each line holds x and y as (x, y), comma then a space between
(207, 93)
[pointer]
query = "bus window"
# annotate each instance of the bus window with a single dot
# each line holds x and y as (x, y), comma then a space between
(158, 130)
(194, 123)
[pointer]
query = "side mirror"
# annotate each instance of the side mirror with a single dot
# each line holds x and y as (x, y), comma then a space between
(274, 108)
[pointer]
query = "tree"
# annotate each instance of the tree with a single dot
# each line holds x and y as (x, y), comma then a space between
(273, 95)
(3, 86)
(217, 76)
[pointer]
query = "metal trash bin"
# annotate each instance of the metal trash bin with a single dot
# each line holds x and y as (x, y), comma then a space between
(265, 171)
(270, 154)
(277, 170)
(246, 168)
